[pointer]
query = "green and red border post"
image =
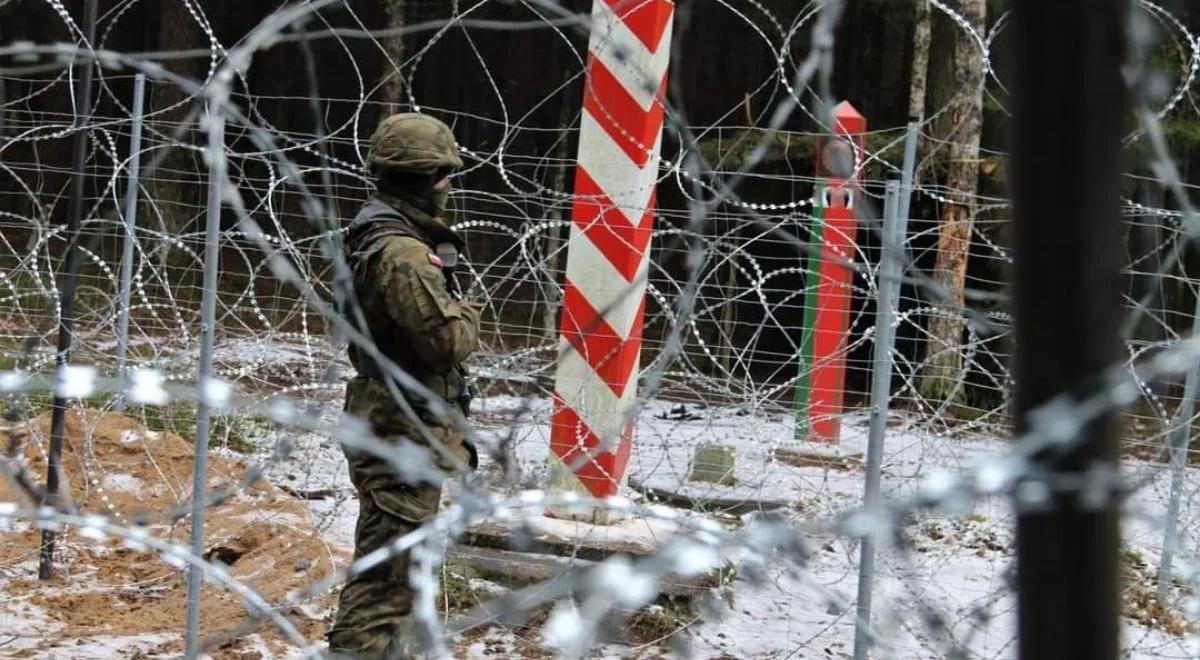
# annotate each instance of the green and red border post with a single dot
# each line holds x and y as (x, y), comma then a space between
(820, 388)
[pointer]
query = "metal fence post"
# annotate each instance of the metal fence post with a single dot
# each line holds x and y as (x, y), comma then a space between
(131, 207)
(208, 309)
(58, 415)
(910, 164)
(891, 265)
(1179, 450)
(1069, 112)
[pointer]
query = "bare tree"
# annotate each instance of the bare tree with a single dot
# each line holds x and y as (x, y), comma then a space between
(393, 75)
(555, 235)
(177, 187)
(920, 60)
(964, 120)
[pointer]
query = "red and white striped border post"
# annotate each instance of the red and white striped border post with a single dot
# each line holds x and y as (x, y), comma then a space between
(608, 255)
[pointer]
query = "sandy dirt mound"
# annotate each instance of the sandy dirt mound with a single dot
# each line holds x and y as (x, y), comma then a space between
(110, 601)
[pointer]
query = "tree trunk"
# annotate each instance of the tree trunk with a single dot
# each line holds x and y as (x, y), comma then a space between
(393, 75)
(729, 291)
(920, 60)
(943, 349)
(554, 236)
(176, 185)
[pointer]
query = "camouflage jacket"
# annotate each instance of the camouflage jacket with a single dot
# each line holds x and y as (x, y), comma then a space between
(401, 291)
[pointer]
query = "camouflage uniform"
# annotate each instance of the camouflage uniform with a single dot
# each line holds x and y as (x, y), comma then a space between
(401, 291)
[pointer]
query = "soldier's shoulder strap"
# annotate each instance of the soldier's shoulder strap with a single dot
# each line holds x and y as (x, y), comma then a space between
(374, 226)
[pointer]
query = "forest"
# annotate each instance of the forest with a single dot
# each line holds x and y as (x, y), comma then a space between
(513, 96)
(837, 328)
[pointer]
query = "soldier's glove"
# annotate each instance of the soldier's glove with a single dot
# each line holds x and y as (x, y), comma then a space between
(468, 392)
(448, 253)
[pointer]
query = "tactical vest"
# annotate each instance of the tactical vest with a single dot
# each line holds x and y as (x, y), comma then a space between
(372, 228)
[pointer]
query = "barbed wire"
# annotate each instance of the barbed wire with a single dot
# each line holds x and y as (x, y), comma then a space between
(725, 301)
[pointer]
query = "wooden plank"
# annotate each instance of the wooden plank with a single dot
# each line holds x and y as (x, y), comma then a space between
(528, 567)
(585, 541)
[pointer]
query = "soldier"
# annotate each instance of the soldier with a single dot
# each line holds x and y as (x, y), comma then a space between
(392, 249)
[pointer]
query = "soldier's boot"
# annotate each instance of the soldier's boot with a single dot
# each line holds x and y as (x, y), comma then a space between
(374, 606)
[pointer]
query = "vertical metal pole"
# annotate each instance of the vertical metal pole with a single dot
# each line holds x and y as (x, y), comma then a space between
(891, 265)
(910, 164)
(1179, 450)
(131, 207)
(1069, 112)
(208, 312)
(83, 104)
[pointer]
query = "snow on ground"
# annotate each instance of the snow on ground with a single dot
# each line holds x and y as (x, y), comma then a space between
(958, 566)
(316, 471)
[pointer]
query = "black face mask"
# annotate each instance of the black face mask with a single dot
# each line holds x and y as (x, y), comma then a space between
(417, 188)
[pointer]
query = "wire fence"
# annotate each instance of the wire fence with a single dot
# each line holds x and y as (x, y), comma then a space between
(740, 536)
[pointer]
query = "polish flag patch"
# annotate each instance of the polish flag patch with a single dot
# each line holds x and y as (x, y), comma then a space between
(436, 260)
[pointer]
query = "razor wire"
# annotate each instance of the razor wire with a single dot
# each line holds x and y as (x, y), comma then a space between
(721, 346)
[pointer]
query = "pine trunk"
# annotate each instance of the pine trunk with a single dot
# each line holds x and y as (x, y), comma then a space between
(177, 185)
(555, 235)
(944, 346)
(393, 73)
(920, 60)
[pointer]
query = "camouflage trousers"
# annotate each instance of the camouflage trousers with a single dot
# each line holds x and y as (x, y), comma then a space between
(374, 606)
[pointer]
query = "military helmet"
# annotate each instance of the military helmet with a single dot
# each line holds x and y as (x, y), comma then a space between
(415, 142)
